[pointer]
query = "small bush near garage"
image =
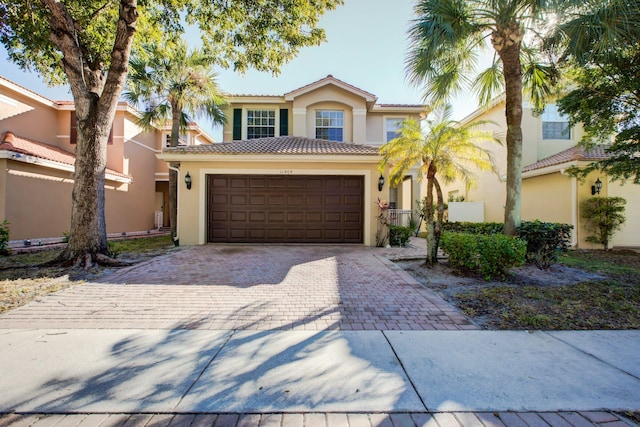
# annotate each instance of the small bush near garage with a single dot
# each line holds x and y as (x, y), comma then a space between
(4, 238)
(489, 255)
(545, 240)
(399, 235)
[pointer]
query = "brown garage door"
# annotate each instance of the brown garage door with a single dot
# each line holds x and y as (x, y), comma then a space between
(285, 209)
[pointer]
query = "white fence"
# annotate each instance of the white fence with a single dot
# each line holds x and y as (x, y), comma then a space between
(400, 216)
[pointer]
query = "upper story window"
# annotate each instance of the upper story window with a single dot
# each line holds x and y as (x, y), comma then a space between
(329, 125)
(261, 123)
(554, 124)
(392, 128)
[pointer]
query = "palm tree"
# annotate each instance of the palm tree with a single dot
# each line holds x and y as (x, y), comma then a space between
(173, 82)
(446, 150)
(446, 39)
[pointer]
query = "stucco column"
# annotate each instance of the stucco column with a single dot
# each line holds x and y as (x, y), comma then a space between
(359, 126)
(300, 123)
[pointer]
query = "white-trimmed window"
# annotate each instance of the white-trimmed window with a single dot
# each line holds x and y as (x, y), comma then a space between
(330, 125)
(392, 127)
(554, 124)
(261, 123)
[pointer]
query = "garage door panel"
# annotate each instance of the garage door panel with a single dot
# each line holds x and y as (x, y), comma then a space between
(239, 216)
(257, 216)
(238, 199)
(239, 182)
(297, 209)
(352, 217)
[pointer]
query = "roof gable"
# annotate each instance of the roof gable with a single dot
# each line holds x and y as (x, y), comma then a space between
(330, 80)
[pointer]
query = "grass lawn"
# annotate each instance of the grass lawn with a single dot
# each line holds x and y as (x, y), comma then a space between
(611, 303)
(22, 279)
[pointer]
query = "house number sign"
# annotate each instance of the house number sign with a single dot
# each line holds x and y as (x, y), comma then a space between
(286, 171)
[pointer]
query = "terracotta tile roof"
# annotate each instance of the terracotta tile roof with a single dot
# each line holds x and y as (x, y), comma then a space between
(280, 145)
(28, 147)
(576, 153)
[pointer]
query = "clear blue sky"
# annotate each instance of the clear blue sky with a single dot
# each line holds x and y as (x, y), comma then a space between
(366, 46)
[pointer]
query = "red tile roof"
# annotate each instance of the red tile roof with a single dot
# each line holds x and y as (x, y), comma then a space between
(576, 153)
(280, 145)
(28, 147)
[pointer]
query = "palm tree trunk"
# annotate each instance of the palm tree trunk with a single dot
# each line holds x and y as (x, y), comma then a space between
(512, 71)
(440, 214)
(432, 250)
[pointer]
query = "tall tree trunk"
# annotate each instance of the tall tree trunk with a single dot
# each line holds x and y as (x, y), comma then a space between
(507, 42)
(95, 93)
(88, 235)
(176, 114)
(432, 255)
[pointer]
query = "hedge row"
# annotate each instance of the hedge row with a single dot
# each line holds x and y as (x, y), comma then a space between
(490, 255)
(545, 240)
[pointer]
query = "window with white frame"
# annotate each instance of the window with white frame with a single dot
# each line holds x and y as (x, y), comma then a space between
(555, 125)
(261, 123)
(182, 140)
(392, 128)
(329, 125)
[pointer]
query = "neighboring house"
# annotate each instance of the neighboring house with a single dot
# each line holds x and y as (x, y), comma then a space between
(294, 168)
(550, 146)
(37, 144)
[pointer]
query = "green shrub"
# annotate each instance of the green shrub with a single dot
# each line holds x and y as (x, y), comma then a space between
(490, 255)
(545, 240)
(604, 216)
(399, 235)
(473, 227)
(4, 238)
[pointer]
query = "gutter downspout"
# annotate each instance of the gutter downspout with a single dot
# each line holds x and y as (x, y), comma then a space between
(574, 207)
(176, 170)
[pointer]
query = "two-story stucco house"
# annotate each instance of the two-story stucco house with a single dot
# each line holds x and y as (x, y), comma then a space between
(37, 144)
(550, 146)
(295, 168)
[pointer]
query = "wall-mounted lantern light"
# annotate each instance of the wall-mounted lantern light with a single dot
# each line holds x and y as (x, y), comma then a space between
(380, 183)
(596, 187)
(187, 180)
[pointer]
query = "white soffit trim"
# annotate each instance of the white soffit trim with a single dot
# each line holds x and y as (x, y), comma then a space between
(548, 170)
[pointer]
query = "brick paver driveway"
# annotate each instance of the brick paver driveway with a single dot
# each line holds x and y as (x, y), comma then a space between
(347, 287)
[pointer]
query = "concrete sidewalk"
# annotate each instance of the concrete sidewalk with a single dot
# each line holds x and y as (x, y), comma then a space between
(205, 371)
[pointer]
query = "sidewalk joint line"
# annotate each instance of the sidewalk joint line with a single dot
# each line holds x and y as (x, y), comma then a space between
(405, 371)
(233, 332)
(591, 355)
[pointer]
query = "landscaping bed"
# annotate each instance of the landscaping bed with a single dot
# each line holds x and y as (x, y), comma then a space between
(585, 290)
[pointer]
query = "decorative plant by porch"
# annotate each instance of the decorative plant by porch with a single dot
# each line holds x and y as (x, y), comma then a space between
(445, 150)
(382, 233)
(604, 216)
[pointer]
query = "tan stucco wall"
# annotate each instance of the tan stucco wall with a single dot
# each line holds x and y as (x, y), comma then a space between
(629, 235)
(547, 198)
(39, 124)
(192, 203)
(491, 188)
(38, 201)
